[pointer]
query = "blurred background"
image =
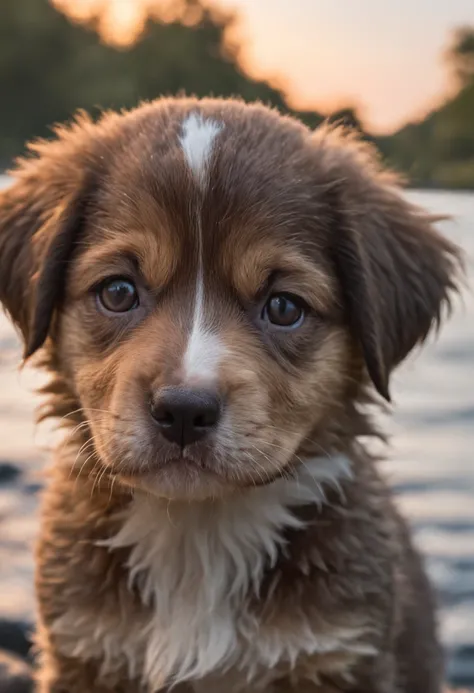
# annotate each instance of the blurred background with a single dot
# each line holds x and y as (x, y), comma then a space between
(402, 74)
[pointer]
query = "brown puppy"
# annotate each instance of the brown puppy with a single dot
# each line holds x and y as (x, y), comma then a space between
(216, 291)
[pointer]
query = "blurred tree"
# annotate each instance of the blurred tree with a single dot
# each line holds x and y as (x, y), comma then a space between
(460, 55)
(439, 150)
(348, 117)
(50, 66)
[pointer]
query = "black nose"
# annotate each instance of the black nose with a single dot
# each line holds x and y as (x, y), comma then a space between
(185, 416)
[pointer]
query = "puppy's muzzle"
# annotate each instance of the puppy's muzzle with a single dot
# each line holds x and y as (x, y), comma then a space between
(185, 416)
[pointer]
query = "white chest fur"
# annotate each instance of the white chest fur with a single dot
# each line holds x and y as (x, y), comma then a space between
(195, 565)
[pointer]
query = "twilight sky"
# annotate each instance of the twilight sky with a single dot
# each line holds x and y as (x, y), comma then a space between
(384, 55)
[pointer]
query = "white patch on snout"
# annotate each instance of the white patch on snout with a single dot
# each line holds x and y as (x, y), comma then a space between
(203, 355)
(197, 142)
(204, 349)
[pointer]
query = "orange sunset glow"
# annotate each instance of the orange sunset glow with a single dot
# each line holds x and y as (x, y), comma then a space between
(121, 21)
(385, 60)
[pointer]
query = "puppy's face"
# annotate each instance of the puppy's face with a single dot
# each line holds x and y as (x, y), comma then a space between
(216, 309)
(204, 332)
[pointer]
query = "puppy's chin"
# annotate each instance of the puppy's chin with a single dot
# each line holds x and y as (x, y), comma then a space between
(180, 481)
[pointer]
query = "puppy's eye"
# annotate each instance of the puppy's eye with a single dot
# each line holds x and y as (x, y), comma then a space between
(118, 295)
(284, 310)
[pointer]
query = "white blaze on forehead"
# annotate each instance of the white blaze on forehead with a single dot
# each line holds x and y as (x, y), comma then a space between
(204, 349)
(197, 142)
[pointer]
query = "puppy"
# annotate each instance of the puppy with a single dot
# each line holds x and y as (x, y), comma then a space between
(218, 294)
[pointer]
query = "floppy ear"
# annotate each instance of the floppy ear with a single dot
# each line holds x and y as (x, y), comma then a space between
(396, 271)
(40, 218)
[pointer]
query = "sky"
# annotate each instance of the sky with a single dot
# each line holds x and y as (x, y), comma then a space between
(383, 56)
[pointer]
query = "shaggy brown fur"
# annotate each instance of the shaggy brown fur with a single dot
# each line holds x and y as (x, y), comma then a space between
(209, 209)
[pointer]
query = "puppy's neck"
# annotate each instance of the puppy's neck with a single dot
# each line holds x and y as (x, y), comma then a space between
(228, 541)
(197, 564)
(258, 507)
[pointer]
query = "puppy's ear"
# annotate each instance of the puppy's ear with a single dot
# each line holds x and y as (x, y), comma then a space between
(40, 218)
(396, 271)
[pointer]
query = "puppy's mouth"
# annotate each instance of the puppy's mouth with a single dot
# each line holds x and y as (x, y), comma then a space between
(179, 464)
(184, 479)
(201, 469)
(180, 476)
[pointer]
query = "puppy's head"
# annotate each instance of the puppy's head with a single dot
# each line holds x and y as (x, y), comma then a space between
(218, 286)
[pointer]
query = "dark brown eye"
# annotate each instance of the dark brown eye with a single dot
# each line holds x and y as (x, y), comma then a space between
(283, 310)
(118, 295)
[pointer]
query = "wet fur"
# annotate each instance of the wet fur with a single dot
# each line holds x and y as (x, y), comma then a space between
(278, 561)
